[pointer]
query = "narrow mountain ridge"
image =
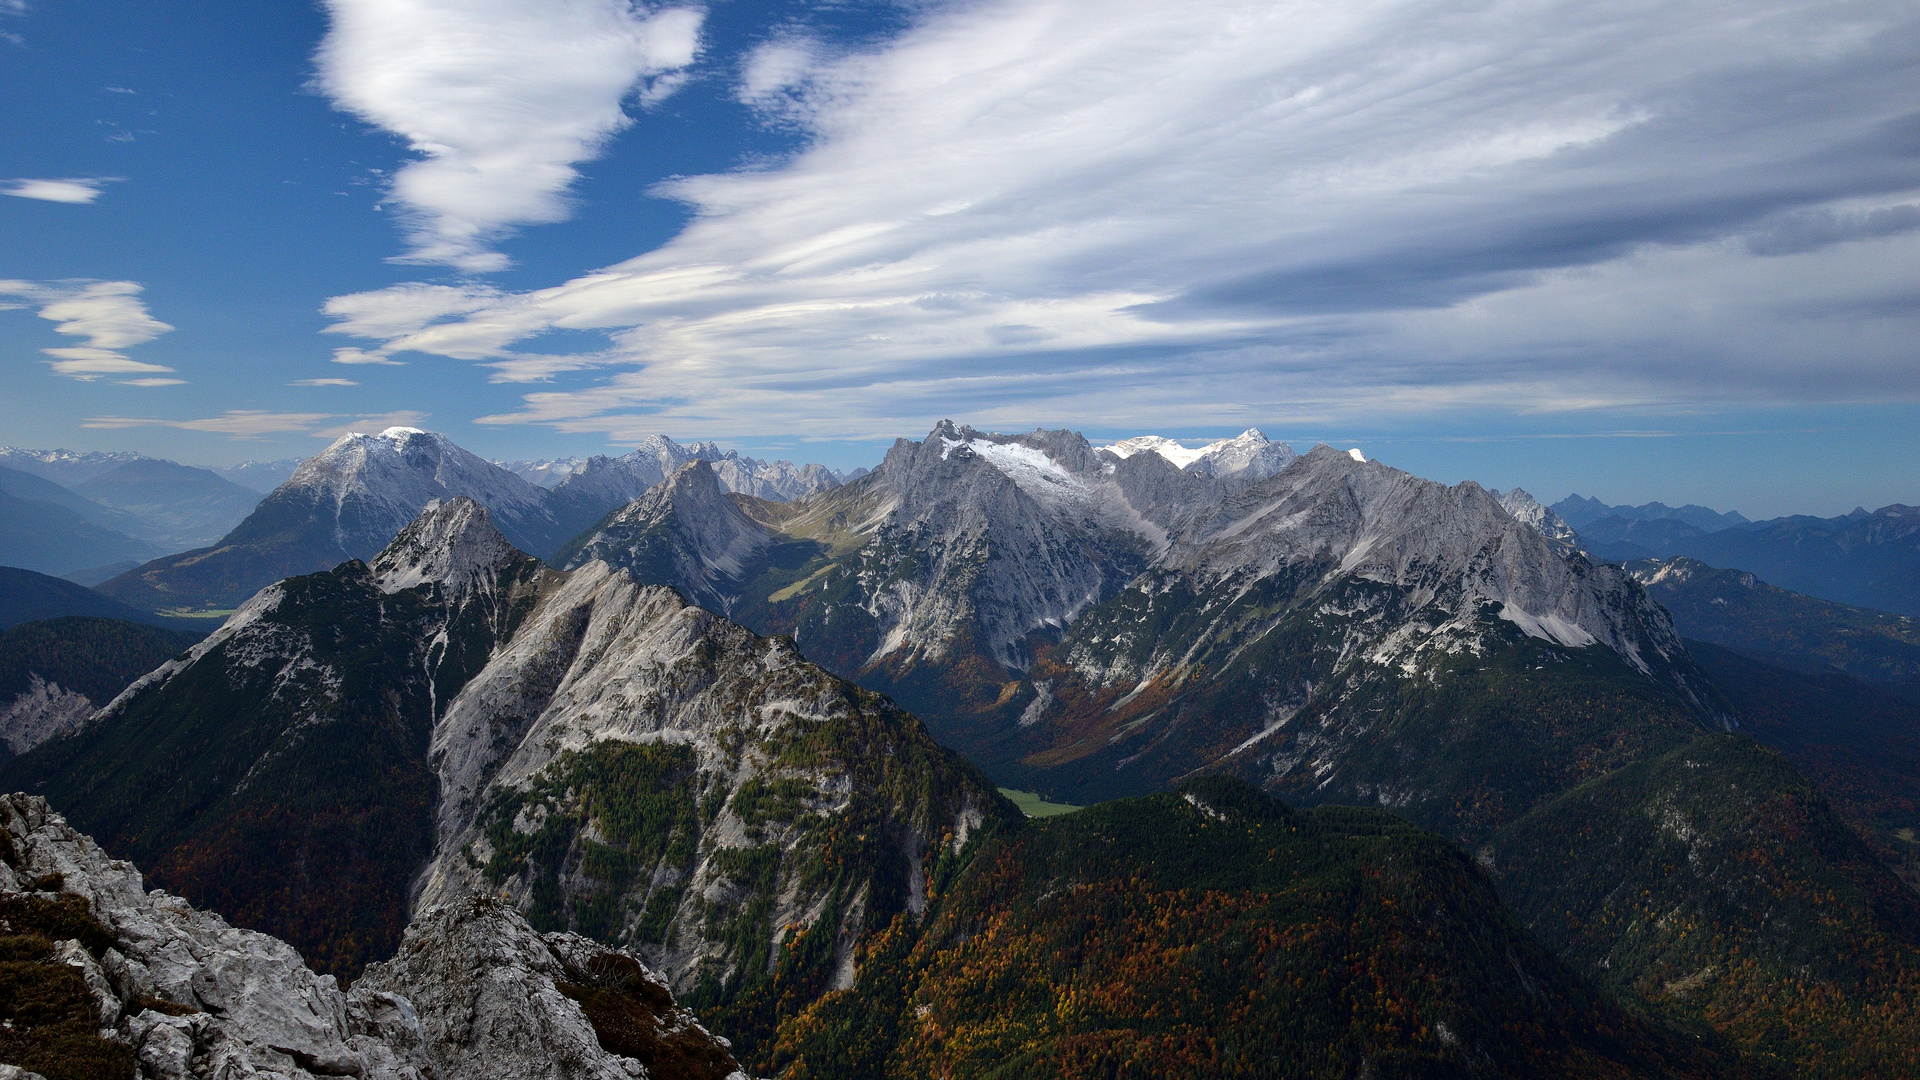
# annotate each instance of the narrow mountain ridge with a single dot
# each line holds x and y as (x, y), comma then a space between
(458, 721)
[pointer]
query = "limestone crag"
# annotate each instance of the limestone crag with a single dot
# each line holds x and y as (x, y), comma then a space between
(498, 1001)
(768, 770)
(193, 996)
(40, 712)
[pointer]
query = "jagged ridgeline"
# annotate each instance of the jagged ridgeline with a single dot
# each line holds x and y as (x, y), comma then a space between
(277, 771)
(1215, 932)
(456, 719)
(1089, 624)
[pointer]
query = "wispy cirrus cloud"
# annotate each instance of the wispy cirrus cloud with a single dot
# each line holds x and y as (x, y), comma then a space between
(108, 315)
(253, 423)
(1181, 214)
(500, 98)
(78, 191)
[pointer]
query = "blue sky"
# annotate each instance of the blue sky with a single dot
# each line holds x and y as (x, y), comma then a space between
(1642, 251)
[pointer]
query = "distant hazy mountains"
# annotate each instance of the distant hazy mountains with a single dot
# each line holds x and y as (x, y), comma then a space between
(1737, 610)
(48, 528)
(146, 506)
(1863, 559)
(657, 458)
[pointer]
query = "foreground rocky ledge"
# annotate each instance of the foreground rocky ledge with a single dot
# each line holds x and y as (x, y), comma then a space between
(118, 981)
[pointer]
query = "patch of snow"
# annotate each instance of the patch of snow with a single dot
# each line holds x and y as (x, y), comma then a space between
(1203, 807)
(1035, 473)
(1356, 455)
(1175, 452)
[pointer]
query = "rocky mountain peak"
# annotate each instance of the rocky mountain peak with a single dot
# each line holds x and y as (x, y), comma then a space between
(684, 532)
(452, 543)
(1531, 512)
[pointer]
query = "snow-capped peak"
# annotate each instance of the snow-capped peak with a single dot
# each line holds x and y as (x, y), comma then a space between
(1178, 453)
(1249, 453)
(1356, 455)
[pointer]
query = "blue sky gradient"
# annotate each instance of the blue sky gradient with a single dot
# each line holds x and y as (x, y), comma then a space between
(1639, 251)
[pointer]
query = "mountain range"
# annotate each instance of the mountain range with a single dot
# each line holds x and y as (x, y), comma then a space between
(1088, 626)
(1869, 560)
(348, 501)
(760, 796)
(658, 457)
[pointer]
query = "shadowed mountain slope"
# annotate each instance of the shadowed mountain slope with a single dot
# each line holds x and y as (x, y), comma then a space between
(55, 673)
(1216, 933)
(27, 596)
(1716, 885)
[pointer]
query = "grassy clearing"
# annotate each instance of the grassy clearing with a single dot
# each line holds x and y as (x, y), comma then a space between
(1032, 805)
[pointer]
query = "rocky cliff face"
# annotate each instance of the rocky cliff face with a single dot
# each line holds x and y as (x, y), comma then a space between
(1530, 512)
(646, 772)
(497, 1001)
(602, 483)
(177, 990)
(684, 532)
(1289, 630)
(168, 992)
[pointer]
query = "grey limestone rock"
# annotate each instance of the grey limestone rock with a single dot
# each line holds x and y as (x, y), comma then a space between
(498, 1001)
(247, 1004)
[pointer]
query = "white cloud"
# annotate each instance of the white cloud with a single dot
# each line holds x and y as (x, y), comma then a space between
(350, 355)
(778, 78)
(1186, 214)
(80, 191)
(152, 382)
(500, 98)
(237, 423)
(107, 314)
(253, 423)
(323, 382)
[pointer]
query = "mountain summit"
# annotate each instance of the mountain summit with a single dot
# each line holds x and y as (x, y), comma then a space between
(345, 503)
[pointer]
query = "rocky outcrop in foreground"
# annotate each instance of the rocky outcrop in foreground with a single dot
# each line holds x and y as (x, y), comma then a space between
(497, 1000)
(105, 979)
